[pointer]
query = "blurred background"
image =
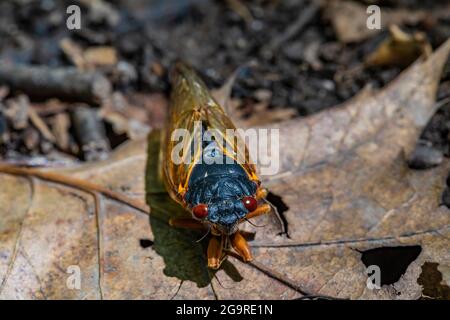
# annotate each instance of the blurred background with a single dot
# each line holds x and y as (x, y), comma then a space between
(74, 95)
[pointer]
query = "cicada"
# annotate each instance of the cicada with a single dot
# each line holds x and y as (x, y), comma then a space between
(213, 177)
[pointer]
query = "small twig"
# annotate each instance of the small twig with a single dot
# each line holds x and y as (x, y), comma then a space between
(304, 18)
(65, 83)
(40, 125)
(74, 183)
(90, 132)
(241, 9)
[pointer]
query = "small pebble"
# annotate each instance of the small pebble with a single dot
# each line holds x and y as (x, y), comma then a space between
(328, 85)
(127, 72)
(263, 95)
(294, 51)
(256, 25)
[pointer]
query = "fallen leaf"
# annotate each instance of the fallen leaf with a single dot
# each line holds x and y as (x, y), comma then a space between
(349, 19)
(155, 105)
(259, 114)
(89, 58)
(347, 185)
(123, 117)
(241, 9)
(399, 49)
(134, 117)
(100, 56)
(343, 185)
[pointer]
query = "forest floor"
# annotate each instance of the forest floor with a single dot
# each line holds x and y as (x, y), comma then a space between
(296, 58)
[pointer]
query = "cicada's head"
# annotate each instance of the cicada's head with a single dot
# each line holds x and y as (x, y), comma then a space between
(221, 195)
(225, 214)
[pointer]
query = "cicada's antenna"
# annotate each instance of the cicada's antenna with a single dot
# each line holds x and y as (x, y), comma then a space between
(255, 225)
(204, 236)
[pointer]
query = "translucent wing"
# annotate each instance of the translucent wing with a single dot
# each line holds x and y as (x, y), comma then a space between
(193, 110)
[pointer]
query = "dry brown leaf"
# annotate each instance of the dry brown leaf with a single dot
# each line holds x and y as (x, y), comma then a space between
(100, 56)
(399, 49)
(241, 9)
(155, 106)
(349, 19)
(343, 177)
(89, 58)
(131, 117)
(259, 114)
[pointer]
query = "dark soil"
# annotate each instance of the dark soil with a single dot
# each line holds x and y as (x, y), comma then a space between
(300, 64)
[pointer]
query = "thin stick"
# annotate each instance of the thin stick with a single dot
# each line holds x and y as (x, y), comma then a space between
(64, 83)
(304, 18)
(74, 183)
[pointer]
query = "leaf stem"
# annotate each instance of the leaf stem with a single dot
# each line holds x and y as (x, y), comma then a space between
(74, 183)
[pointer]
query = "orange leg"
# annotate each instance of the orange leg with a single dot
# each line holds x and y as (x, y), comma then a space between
(241, 246)
(261, 193)
(215, 252)
(262, 209)
(187, 223)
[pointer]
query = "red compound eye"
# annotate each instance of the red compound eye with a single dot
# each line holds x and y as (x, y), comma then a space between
(200, 211)
(250, 203)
